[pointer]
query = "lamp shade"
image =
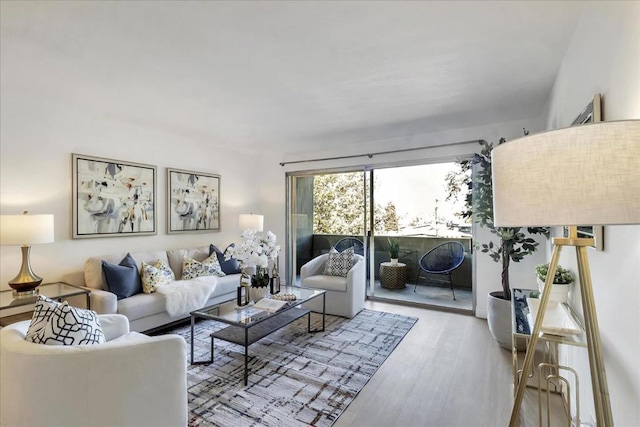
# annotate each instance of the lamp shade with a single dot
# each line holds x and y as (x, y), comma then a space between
(581, 175)
(26, 229)
(251, 222)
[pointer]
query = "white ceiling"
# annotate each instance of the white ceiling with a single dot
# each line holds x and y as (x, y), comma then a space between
(286, 74)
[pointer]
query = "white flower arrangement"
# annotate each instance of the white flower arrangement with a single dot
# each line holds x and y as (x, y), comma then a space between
(256, 249)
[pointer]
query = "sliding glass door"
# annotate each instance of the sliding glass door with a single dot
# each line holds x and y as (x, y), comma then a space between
(324, 210)
(416, 207)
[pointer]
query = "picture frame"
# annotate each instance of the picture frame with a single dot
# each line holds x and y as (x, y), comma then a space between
(193, 201)
(112, 198)
(592, 113)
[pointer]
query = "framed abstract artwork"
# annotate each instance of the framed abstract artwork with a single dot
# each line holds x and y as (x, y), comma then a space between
(193, 201)
(592, 113)
(112, 198)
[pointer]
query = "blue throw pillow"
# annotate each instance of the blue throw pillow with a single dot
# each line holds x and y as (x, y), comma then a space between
(122, 279)
(228, 267)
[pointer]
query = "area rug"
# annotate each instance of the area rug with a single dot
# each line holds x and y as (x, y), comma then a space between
(296, 378)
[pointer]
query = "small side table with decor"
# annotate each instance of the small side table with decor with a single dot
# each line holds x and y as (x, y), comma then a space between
(393, 276)
(56, 291)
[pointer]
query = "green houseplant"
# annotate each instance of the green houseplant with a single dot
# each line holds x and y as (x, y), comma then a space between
(562, 276)
(513, 244)
(561, 281)
(394, 249)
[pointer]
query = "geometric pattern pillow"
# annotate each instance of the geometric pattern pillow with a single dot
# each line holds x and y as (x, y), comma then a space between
(209, 267)
(155, 275)
(71, 326)
(339, 263)
(41, 314)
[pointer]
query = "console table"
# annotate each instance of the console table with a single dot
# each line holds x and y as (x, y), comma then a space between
(547, 375)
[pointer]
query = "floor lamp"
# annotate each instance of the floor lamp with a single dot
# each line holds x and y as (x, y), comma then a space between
(587, 174)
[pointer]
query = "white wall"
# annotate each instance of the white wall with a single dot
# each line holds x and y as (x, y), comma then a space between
(49, 110)
(604, 57)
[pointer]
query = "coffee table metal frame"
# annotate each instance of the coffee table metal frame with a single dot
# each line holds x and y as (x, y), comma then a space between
(246, 326)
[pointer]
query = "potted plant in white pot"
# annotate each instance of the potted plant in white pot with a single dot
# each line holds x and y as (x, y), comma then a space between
(394, 250)
(561, 281)
(513, 244)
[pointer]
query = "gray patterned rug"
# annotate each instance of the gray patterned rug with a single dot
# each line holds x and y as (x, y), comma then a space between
(296, 378)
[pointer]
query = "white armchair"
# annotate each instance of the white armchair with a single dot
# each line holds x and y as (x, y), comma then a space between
(131, 380)
(345, 295)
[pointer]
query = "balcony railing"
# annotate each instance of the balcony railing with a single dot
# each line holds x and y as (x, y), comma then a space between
(411, 250)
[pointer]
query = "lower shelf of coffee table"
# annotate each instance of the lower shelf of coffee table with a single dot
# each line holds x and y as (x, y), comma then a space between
(236, 334)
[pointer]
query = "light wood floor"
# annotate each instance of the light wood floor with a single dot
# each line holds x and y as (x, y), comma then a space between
(448, 371)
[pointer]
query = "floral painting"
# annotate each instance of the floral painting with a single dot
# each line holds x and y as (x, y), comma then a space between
(193, 201)
(112, 197)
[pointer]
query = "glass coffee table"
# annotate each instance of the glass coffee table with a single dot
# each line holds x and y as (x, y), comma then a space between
(248, 324)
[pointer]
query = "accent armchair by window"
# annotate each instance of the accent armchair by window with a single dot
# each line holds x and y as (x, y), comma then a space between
(131, 380)
(345, 295)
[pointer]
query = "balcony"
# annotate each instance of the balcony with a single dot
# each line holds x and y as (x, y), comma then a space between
(427, 293)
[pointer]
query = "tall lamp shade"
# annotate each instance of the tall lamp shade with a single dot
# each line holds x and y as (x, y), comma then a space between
(582, 175)
(25, 230)
(251, 222)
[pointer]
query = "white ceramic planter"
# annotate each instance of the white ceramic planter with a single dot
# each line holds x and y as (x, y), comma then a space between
(559, 292)
(394, 261)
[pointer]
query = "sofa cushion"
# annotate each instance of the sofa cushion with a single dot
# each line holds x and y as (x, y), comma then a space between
(176, 257)
(339, 263)
(227, 284)
(328, 283)
(230, 266)
(122, 279)
(41, 314)
(209, 267)
(71, 326)
(155, 275)
(93, 276)
(142, 305)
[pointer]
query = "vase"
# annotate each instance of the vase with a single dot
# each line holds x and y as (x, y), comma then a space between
(394, 261)
(559, 291)
(257, 293)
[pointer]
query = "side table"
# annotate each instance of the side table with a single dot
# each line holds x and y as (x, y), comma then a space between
(393, 276)
(56, 290)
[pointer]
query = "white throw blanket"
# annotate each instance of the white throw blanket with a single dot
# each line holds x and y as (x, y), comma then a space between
(184, 296)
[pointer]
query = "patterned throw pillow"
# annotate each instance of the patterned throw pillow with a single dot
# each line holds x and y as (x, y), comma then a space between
(209, 267)
(71, 326)
(339, 263)
(155, 275)
(41, 314)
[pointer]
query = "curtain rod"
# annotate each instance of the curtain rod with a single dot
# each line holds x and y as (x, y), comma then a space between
(370, 155)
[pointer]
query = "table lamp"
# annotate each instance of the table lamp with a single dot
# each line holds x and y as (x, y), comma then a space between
(251, 222)
(25, 230)
(581, 175)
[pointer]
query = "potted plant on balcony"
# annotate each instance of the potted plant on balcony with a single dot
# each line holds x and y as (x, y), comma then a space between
(513, 244)
(394, 250)
(561, 281)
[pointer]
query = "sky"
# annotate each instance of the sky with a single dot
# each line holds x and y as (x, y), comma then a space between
(415, 189)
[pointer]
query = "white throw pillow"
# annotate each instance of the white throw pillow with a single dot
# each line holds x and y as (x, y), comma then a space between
(209, 267)
(71, 326)
(41, 313)
(339, 263)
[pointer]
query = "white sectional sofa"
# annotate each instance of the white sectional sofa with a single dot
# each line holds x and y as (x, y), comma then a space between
(147, 311)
